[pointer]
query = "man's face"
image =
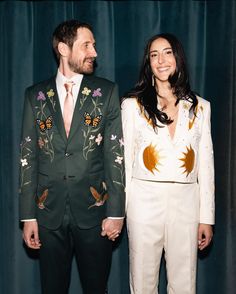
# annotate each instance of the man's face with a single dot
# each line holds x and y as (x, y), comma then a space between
(83, 53)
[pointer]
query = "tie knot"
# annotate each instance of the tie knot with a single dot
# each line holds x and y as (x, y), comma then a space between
(68, 86)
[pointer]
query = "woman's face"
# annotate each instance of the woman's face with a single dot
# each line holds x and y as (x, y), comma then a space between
(162, 60)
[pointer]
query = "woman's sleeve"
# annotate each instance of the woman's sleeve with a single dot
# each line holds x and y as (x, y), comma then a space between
(206, 170)
(128, 109)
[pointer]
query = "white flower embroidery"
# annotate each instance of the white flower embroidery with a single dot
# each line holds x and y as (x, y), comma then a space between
(86, 91)
(121, 141)
(24, 162)
(98, 139)
(91, 137)
(119, 159)
(28, 139)
(113, 137)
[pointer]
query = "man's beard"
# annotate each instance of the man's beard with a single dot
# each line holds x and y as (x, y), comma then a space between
(81, 69)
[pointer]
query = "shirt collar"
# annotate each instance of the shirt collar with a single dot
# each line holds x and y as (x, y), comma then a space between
(61, 79)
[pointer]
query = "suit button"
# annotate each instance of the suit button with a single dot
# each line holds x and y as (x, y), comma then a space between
(64, 178)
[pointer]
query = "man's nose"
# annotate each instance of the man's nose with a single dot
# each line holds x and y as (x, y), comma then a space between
(93, 52)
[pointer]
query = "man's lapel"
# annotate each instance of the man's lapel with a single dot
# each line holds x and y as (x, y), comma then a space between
(55, 108)
(82, 105)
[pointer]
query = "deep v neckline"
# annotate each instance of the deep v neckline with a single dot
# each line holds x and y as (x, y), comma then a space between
(173, 138)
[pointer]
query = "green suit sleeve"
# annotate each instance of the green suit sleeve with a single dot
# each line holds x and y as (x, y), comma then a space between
(114, 158)
(28, 162)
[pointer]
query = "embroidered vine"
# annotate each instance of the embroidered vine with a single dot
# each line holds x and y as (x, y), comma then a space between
(118, 151)
(86, 91)
(25, 152)
(92, 121)
(45, 124)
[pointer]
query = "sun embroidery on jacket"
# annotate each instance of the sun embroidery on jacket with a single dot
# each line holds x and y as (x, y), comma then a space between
(188, 160)
(151, 158)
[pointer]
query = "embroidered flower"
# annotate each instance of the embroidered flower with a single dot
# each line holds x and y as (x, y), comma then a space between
(113, 137)
(86, 91)
(98, 139)
(41, 96)
(24, 162)
(117, 150)
(119, 159)
(92, 120)
(121, 141)
(41, 143)
(97, 93)
(28, 139)
(50, 93)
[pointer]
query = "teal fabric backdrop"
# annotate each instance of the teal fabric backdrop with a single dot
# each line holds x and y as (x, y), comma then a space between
(207, 30)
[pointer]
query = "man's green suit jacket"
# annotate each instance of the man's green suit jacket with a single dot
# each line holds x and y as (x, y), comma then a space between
(86, 169)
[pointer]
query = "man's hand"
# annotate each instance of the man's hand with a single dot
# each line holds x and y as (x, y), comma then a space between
(30, 234)
(112, 228)
(205, 235)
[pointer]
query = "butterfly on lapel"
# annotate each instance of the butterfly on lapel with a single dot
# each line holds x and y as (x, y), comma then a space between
(89, 120)
(44, 124)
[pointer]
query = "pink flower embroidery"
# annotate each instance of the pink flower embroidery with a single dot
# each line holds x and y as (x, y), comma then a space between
(97, 93)
(41, 96)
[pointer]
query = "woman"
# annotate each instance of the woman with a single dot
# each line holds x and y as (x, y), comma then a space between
(169, 171)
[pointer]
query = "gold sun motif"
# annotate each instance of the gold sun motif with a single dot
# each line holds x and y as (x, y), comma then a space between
(151, 158)
(188, 159)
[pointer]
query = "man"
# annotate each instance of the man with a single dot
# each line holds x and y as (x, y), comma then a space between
(72, 189)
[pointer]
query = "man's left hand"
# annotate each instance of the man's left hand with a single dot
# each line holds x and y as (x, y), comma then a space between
(112, 228)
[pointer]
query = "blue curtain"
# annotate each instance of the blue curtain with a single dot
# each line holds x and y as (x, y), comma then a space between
(207, 30)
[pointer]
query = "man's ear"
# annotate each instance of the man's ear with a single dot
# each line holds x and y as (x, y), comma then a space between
(63, 49)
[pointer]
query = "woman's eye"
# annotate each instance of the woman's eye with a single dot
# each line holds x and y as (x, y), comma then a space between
(153, 55)
(169, 52)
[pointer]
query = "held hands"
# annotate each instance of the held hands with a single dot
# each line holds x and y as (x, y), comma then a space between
(112, 228)
(205, 235)
(30, 234)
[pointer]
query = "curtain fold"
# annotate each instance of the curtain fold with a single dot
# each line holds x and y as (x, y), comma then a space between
(207, 30)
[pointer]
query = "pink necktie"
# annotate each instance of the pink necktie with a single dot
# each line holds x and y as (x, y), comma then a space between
(68, 107)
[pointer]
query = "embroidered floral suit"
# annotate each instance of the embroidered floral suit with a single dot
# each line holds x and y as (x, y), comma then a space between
(86, 168)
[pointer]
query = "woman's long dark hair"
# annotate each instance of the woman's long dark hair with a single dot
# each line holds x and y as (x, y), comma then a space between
(146, 93)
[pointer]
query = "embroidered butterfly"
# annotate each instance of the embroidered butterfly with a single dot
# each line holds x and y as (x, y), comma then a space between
(44, 124)
(92, 121)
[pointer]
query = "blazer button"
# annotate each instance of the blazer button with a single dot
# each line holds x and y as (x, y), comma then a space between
(64, 178)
